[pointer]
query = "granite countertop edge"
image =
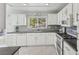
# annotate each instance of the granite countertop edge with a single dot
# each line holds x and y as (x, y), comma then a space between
(32, 32)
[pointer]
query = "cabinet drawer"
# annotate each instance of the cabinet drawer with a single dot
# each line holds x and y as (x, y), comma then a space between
(32, 38)
(10, 42)
(40, 38)
(21, 39)
(2, 40)
(32, 35)
(10, 39)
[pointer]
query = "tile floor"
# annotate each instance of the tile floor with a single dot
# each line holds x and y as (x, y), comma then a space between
(37, 50)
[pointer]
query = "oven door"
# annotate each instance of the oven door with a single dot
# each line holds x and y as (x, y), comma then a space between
(59, 48)
(59, 45)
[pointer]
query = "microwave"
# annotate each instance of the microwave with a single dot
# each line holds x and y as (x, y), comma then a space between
(64, 22)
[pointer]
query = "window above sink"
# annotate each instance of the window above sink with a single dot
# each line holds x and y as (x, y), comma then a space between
(37, 22)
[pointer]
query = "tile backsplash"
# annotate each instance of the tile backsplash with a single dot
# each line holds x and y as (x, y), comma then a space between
(72, 30)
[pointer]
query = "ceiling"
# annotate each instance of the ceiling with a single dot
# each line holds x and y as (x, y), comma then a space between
(38, 7)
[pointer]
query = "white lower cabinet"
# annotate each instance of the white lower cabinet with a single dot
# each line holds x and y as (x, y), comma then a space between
(31, 38)
(17, 39)
(51, 38)
(21, 39)
(27, 39)
(78, 46)
(40, 38)
(10, 39)
(68, 50)
(2, 41)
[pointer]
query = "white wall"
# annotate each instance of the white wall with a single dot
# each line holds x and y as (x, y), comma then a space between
(2, 15)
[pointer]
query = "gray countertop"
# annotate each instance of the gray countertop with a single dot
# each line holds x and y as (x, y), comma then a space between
(1, 34)
(33, 32)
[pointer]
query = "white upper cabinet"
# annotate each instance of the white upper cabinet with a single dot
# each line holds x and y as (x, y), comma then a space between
(2, 15)
(11, 22)
(66, 16)
(69, 8)
(70, 14)
(75, 13)
(52, 19)
(21, 19)
(59, 17)
(11, 19)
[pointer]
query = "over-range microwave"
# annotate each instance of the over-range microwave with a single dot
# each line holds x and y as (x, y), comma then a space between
(64, 23)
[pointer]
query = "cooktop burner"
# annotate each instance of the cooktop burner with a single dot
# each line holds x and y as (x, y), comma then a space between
(66, 36)
(72, 41)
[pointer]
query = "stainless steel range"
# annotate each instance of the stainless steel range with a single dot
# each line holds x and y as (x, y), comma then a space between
(61, 38)
(59, 45)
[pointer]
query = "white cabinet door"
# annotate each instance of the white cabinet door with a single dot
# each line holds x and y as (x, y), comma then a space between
(64, 13)
(69, 15)
(2, 40)
(78, 45)
(52, 19)
(78, 28)
(21, 19)
(36, 39)
(11, 21)
(51, 37)
(31, 38)
(75, 13)
(69, 8)
(41, 40)
(21, 39)
(2, 15)
(45, 38)
(60, 18)
(66, 16)
(10, 39)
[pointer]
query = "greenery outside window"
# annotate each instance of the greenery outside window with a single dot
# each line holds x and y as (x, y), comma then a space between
(37, 21)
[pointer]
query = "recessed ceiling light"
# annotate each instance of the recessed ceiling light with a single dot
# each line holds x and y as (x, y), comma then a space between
(46, 3)
(25, 4)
